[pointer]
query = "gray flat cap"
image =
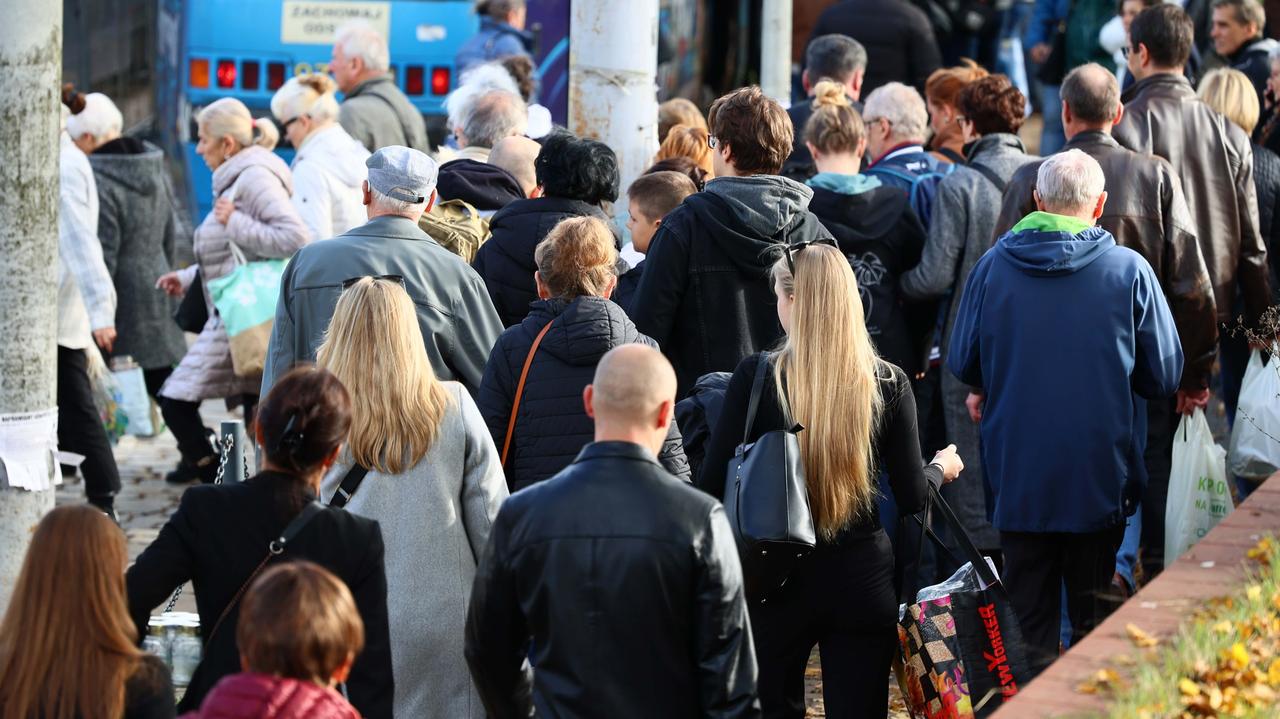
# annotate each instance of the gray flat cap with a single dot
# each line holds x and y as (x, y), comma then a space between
(402, 173)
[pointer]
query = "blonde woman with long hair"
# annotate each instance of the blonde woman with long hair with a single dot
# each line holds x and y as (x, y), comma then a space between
(859, 419)
(434, 484)
(73, 653)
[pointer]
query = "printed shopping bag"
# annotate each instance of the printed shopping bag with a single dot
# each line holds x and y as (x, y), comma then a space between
(107, 396)
(246, 301)
(1255, 438)
(1198, 492)
(134, 401)
(961, 647)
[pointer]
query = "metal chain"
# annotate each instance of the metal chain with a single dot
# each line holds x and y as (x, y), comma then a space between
(227, 443)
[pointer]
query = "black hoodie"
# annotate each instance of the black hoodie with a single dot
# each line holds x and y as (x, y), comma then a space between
(882, 238)
(483, 186)
(705, 295)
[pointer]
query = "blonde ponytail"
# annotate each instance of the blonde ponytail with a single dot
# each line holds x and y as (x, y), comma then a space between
(834, 127)
(265, 133)
(832, 383)
(229, 117)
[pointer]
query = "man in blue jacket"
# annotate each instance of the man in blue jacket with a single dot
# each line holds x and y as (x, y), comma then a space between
(1063, 334)
(501, 33)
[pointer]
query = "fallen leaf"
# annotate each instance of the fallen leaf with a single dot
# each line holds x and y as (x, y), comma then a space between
(1139, 637)
(1188, 687)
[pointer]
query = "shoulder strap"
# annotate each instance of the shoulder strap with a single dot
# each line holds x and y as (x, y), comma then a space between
(955, 157)
(394, 111)
(991, 176)
(757, 389)
(515, 404)
(891, 172)
(350, 483)
(275, 548)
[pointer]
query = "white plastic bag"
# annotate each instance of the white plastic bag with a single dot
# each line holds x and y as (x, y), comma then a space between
(1199, 496)
(135, 401)
(1255, 438)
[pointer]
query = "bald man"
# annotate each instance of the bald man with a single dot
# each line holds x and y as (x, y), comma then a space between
(516, 155)
(625, 578)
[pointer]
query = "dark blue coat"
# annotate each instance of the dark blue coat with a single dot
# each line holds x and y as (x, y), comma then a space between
(1062, 331)
(552, 425)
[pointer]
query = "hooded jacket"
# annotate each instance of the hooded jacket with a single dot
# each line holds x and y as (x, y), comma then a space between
(882, 238)
(328, 173)
(505, 261)
(138, 228)
(483, 186)
(262, 696)
(705, 295)
(1061, 328)
(553, 426)
(494, 40)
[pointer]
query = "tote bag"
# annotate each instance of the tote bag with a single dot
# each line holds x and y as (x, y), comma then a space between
(1255, 439)
(1199, 496)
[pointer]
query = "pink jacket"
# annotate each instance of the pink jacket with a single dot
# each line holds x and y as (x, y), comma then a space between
(262, 696)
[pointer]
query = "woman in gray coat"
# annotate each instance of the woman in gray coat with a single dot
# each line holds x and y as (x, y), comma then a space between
(434, 483)
(965, 211)
(253, 211)
(138, 226)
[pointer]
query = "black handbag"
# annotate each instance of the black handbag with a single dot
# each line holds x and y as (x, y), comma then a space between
(192, 312)
(767, 502)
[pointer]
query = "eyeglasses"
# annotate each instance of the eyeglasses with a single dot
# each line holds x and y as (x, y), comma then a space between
(1126, 50)
(290, 121)
(713, 142)
(794, 249)
(399, 279)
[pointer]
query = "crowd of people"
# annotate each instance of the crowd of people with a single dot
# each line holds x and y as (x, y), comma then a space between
(494, 450)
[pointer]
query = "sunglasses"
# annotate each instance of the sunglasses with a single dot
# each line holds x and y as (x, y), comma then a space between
(347, 283)
(794, 249)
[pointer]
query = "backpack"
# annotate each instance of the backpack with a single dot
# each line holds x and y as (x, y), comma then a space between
(457, 226)
(922, 189)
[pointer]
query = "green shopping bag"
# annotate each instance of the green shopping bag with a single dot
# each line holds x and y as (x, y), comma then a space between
(246, 300)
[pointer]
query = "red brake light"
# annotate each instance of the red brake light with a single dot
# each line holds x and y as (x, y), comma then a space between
(275, 75)
(226, 73)
(440, 81)
(414, 80)
(250, 74)
(199, 73)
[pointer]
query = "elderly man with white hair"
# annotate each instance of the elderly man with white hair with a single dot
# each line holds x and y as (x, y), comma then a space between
(455, 313)
(897, 124)
(374, 111)
(1062, 334)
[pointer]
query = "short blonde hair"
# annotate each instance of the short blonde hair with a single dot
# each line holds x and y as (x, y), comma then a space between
(678, 111)
(375, 347)
(577, 258)
(311, 95)
(229, 117)
(1231, 93)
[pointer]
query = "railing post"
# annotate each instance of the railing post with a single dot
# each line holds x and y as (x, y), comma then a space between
(235, 468)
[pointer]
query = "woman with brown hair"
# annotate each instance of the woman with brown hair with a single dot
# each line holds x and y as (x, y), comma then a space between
(553, 354)
(942, 93)
(690, 142)
(859, 419)
(74, 654)
(223, 535)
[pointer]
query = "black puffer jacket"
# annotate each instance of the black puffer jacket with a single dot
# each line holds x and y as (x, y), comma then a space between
(1266, 177)
(552, 425)
(506, 260)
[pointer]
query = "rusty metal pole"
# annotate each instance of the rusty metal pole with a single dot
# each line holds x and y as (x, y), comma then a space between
(775, 50)
(31, 64)
(613, 67)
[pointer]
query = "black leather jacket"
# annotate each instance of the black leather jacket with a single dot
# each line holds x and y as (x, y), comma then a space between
(628, 582)
(1214, 161)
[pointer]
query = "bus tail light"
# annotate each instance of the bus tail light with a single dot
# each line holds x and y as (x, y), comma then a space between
(250, 74)
(275, 75)
(414, 80)
(439, 81)
(199, 72)
(226, 73)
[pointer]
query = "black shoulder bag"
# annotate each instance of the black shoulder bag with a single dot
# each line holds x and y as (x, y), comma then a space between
(350, 483)
(767, 501)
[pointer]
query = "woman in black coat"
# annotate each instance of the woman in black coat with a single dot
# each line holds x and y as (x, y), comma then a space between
(218, 539)
(576, 274)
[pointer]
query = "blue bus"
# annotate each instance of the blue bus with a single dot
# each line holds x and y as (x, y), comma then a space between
(247, 49)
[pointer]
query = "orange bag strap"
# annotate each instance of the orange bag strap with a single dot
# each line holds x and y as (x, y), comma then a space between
(515, 404)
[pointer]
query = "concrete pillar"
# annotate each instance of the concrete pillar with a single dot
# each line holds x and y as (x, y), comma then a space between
(613, 67)
(775, 50)
(31, 65)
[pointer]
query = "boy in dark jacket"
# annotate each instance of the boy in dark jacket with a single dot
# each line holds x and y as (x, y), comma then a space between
(653, 196)
(1064, 333)
(705, 295)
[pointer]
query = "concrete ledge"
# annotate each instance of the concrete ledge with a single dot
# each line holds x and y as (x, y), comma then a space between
(1212, 568)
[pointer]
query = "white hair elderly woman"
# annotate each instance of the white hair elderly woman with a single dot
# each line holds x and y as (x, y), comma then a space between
(138, 228)
(329, 167)
(374, 111)
(253, 211)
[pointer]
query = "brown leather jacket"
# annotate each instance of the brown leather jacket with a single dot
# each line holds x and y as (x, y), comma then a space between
(1146, 212)
(1214, 161)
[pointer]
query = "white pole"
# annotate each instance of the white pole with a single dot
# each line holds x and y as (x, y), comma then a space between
(613, 68)
(31, 55)
(775, 50)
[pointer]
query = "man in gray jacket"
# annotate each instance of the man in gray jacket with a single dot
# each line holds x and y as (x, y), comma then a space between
(374, 111)
(455, 313)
